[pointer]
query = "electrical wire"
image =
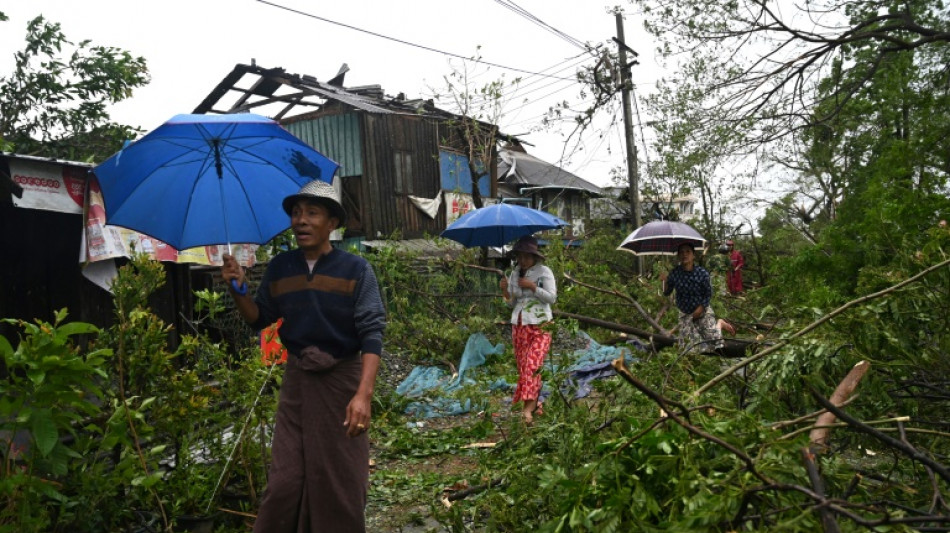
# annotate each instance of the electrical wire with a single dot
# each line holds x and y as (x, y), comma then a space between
(572, 65)
(527, 15)
(643, 139)
(400, 41)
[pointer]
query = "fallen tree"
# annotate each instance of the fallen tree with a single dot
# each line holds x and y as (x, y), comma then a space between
(732, 347)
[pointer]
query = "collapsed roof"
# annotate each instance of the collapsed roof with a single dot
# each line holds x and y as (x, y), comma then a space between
(275, 93)
(525, 173)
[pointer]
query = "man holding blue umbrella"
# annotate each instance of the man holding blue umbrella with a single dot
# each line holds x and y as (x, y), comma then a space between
(333, 328)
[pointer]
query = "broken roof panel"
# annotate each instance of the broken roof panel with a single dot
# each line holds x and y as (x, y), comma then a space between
(523, 170)
(250, 87)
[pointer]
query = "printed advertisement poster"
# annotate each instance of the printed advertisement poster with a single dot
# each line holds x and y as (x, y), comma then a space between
(456, 205)
(49, 186)
(102, 241)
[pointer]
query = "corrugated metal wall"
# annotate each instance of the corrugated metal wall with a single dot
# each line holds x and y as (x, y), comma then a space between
(335, 136)
(41, 272)
(369, 147)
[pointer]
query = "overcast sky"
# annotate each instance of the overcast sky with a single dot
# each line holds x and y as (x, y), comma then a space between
(191, 45)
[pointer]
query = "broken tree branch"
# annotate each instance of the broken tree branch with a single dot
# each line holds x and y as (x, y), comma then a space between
(819, 436)
(460, 494)
(807, 329)
(890, 441)
(731, 348)
(486, 269)
(809, 416)
(664, 403)
(653, 323)
(937, 499)
(799, 431)
(828, 522)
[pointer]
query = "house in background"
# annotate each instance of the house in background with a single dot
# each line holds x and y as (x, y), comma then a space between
(403, 162)
(613, 205)
(542, 185)
(664, 206)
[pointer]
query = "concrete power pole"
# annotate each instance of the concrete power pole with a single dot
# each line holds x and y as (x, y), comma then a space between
(632, 172)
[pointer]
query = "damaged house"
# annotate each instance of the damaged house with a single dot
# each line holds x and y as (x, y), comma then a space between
(404, 164)
(542, 185)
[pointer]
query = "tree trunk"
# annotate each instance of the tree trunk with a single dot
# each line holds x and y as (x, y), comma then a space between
(732, 348)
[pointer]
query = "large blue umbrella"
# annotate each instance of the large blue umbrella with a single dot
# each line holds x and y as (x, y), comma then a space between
(209, 179)
(499, 224)
(662, 237)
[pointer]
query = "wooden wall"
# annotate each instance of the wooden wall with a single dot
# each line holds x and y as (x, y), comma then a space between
(41, 273)
(385, 209)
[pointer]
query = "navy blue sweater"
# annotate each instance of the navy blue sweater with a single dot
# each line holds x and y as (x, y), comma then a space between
(693, 288)
(336, 308)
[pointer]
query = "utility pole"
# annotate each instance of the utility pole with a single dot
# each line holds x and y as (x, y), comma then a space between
(625, 85)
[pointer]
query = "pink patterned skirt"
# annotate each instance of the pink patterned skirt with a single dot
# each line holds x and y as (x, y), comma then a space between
(531, 345)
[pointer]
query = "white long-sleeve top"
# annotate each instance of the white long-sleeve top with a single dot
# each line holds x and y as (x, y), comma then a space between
(533, 306)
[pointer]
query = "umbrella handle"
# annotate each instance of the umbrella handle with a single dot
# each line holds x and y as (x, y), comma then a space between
(240, 289)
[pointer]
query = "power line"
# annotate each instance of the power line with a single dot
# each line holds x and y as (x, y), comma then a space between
(542, 116)
(541, 98)
(524, 13)
(520, 88)
(407, 43)
(643, 139)
(520, 94)
(570, 62)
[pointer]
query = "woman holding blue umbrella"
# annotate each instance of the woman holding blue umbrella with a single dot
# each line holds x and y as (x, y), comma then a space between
(530, 290)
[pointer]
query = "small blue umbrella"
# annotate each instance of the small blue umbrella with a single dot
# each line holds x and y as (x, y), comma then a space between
(499, 224)
(209, 179)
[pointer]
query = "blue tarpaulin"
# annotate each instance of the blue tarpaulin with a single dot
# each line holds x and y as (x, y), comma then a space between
(425, 379)
(585, 365)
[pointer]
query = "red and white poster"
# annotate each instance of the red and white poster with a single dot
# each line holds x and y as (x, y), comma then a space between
(103, 241)
(456, 205)
(49, 186)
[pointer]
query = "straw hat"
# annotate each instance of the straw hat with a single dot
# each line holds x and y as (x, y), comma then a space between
(321, 192)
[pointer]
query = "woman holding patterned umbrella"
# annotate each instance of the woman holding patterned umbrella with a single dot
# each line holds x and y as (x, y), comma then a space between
(698, 326)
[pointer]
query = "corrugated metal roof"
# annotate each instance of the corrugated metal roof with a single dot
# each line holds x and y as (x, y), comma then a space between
(349, 98)
(521, 169)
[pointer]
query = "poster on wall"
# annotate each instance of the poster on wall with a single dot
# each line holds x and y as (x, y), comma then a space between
(49, 186)
(103, 241)
(456, 205)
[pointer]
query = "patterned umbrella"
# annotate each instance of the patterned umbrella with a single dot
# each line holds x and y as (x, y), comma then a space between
(662, 237)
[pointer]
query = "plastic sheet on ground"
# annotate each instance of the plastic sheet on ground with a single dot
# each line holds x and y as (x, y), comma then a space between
(425, 379)
(586, 364)
(593, 362)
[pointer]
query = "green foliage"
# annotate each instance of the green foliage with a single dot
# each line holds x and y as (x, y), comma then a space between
(51, 388)
(422, 296)
(107, 412)
(56, 106)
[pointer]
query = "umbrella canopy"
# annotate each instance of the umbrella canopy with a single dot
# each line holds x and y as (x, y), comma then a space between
(209, 179)
(499, 224)
(662, 237)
